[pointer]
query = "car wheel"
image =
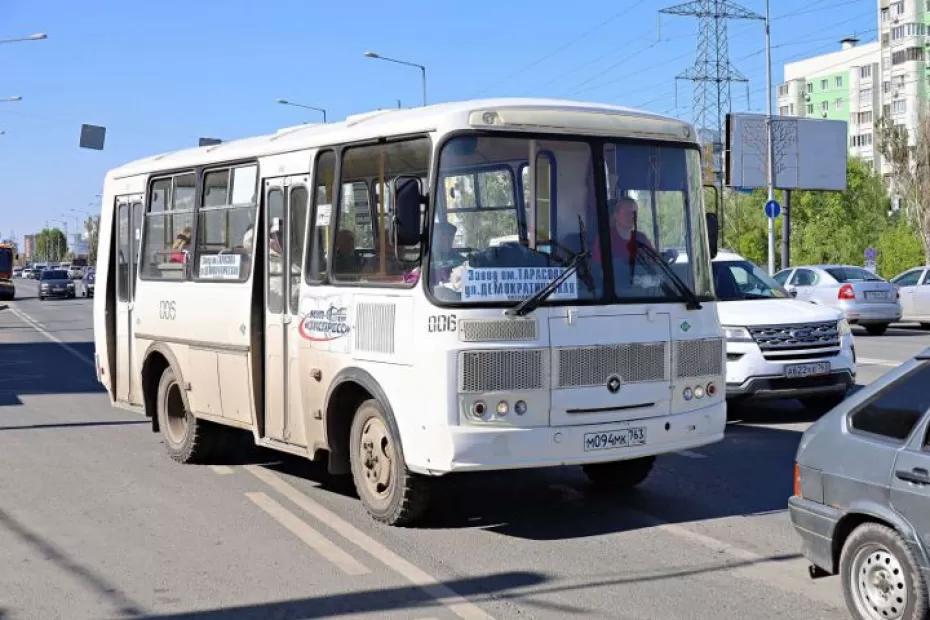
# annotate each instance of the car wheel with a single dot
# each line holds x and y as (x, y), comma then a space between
(187, 439)
(823, 402)
(619, 474)
(880, 576)
(389, 491)
(876, 330)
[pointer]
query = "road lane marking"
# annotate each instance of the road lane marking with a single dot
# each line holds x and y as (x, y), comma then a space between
(787, 574)
(311, 537)
(691, 454)
(457, 604)
(222, 470)
(869, 361)
(38, 327)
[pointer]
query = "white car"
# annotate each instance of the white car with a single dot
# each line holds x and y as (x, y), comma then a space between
(778, 346)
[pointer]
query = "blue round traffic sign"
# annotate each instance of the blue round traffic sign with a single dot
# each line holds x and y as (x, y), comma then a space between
(772, 209)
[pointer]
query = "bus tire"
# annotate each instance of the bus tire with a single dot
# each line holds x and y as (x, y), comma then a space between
(619, 474)
(187, 439)
(390, 492)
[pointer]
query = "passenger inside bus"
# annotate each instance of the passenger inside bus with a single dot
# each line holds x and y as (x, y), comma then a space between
(181, 245)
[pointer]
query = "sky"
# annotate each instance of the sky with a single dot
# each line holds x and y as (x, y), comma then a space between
(160, 75)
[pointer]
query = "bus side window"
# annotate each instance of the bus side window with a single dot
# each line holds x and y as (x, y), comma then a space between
(168, 225)
(318, 231)
(364, 249)
(226, 223)
(296, 228)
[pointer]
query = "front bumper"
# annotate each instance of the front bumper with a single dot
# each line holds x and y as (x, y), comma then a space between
(754, 375)
(815, 524)
(56, 293)
(476, 448)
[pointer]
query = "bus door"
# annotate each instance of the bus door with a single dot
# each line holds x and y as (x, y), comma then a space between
(128, 243)
(286, 200)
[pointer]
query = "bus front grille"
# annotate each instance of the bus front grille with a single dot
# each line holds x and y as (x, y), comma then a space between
(635, 362)
(700, 358)
(491, 371)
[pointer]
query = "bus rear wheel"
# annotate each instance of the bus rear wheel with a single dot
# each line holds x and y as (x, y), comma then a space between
(389, 491)
(619, 474)
(187, 439)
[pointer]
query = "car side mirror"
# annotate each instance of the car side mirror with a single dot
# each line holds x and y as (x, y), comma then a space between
(793, 293)
(713, 232)
(408, 200)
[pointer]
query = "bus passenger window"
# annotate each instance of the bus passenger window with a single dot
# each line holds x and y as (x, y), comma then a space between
(364, 248)
(168, 228)
(296, 227)
(318, 254)
(226, 220)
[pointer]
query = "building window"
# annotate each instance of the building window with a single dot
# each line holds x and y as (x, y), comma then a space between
(783, 90)
(810, 108)
(865, 72)
(910, 54)
(838, 82)
(783, 110)
(824, 84)
(810, 87)
(865, 97)
(791, 109)
(864, 118)
(886, 86)
(898, 7)
(908, 30)
(899, 106)
(884, 39)
(824, 106)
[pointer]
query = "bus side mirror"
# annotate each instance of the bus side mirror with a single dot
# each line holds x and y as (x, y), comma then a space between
(408, 198)
(713, 232)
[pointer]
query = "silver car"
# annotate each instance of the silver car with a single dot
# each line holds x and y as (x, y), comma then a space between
(861, 501)
(914, 290)
(863, 297)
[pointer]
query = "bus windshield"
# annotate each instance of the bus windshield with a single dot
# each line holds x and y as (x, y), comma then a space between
(511, 213)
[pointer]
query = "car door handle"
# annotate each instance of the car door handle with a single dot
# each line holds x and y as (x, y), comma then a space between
(918, 475)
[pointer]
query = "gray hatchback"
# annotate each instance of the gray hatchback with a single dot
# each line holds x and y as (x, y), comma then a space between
(861, 502)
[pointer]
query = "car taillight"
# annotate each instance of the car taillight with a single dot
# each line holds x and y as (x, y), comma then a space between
(797, 480)
(846, 292)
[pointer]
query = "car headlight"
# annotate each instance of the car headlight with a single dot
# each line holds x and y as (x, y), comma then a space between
(843, 328)
(70, 284)
(737, 334)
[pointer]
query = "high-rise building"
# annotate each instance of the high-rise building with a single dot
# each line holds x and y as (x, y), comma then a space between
(844, 85)
(862, 84)
(29, 247)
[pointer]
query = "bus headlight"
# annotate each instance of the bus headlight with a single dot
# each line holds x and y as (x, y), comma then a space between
(520, 407)
(502, 408)
(479, 409)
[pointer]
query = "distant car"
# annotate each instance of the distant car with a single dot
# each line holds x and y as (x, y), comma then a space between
(18, 272)
(75, 272)
(28, 273)
(779, 347)
(55, 283)
(861, 501)
(863, 297)
(914, 289)
(90, 279)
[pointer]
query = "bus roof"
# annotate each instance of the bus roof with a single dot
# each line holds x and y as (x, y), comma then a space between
(545, 115)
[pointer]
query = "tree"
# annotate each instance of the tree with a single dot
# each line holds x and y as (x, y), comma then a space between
(909, 157)
(51, 244)
(92, 228)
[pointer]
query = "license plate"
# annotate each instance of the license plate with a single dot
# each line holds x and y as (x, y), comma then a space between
(623, 438)
(875, 296)
(796, 371)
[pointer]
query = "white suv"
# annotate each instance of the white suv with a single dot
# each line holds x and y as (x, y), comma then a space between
(777, 346)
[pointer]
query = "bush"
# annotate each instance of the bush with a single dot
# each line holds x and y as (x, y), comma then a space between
(899, 248)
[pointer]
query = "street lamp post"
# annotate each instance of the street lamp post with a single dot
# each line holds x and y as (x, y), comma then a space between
(422, 68)
(301, 105)
(39, 36)
(770, 169)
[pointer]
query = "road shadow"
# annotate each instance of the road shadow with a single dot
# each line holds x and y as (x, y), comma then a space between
(39, 368)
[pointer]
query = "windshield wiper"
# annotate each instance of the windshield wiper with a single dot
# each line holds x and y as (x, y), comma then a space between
(532, 302)
(691, 300)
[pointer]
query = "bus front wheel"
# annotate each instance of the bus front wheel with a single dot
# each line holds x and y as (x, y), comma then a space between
(620, 474)
(187, 439)
(389, 491)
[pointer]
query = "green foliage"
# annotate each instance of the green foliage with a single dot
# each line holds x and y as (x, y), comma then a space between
(51, 244)
(899, 248)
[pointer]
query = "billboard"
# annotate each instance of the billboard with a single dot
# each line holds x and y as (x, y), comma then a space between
(809, 153)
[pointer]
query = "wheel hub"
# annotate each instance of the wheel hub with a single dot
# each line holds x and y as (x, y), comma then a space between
(377, 457)
(879, 584)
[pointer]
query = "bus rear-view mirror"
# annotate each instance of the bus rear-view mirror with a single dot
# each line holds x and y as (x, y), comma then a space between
(713, 232)
(408, 198)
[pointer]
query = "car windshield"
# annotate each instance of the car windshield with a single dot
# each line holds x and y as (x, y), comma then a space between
(54, 274)
(740, 280)
(511, 213)
(852, 274)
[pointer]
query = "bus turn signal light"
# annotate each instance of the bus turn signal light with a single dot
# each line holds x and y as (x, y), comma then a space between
(797, 480)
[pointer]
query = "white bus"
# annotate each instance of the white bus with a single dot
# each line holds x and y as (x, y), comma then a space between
(480, 285)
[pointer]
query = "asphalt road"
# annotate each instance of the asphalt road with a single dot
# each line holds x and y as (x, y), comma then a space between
(96, 522)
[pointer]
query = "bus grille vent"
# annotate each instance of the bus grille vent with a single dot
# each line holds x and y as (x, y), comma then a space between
(699, 358)
(635, 362)
(374, 327)
(471, 330)
(491, 371)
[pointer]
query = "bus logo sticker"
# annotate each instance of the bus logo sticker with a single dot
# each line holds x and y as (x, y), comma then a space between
(614, 384)
(685, 326)
(325, 325)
